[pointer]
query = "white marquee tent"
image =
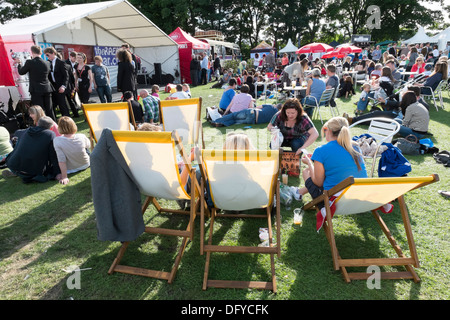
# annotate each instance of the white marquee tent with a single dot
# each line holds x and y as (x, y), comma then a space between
(101, 24)
(289, 48)
(442, 39)
(419, 37)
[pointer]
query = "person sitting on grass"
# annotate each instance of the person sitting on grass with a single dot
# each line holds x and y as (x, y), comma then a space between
(240, 101)
(227, 95)
(71, 149)
(151, 106)
(34, 157)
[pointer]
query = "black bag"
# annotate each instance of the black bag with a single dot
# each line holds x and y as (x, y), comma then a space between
(409, 145)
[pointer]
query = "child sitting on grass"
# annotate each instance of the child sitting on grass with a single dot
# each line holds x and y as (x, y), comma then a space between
(363, 99)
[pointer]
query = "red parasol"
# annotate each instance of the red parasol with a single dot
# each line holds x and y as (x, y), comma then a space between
(315, 48)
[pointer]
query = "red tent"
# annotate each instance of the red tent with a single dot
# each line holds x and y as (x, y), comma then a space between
(186, 46)
(6, 77)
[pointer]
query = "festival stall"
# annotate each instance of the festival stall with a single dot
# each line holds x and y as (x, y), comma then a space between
(95, 29)
(187, 46)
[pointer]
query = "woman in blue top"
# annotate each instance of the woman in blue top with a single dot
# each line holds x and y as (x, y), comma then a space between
(333, 162)
(316, 87)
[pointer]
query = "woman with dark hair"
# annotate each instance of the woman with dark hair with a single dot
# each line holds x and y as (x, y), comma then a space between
(84, 80)
(126, 80)
(415, 116)
(296, 127)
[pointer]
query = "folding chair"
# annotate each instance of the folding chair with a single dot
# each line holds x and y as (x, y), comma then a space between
(436, 94)
(241, 180)
(382, 130)
(324, 101)
(115, 116)
(361, 195)
(151, 157)
(183, 115)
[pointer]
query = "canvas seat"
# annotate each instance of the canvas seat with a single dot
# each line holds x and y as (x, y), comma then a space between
(359, 195)
(241, 180)
(151, 157)
(115, 116)
(183, 115)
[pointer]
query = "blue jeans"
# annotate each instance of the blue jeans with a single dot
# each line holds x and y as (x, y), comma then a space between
(240, 117)
(310, 102)
(295, 143)
(104, 91)
(405, 131)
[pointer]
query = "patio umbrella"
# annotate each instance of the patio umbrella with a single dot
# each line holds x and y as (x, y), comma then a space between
(348, 49)
(315, 48)
(333, 54)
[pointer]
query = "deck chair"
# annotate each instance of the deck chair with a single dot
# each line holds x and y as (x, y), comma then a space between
(183, 115)
(115, 116)
(241, 180)
(362, 195)
(382, 130)
(436, 94)
(151, 157)
(324, 101)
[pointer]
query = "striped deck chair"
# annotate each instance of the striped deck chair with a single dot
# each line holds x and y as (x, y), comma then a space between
(183, 115)
(358, 195)
(241, 180)
(115, 116)
(151, 157)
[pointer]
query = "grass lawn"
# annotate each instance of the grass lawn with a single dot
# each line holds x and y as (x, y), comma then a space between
(47, 228)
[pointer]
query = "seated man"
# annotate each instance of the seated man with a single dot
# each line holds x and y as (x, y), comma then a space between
(227, 95)
(258, 115)
(225, 78)
(151, 107)
(34, 157)
(179, 94)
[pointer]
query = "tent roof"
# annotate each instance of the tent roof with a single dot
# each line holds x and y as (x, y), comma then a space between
(289, 47)
(445, 35)
(117, 17)
(419, 37)
(263, 45)
(180, 36)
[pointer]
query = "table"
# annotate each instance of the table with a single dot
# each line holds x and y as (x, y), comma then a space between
(296, 88)
(265, 84)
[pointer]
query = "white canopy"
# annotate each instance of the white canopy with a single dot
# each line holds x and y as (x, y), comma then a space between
(419, 37)
(442, 39)
(289, 47)
(116, 18)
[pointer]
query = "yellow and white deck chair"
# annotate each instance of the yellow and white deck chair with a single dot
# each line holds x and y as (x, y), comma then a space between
(151, 157)
(359, 195)
(241, 180)
(115, 116)
(183, 115)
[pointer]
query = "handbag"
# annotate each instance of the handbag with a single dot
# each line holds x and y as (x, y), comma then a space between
(409, 145)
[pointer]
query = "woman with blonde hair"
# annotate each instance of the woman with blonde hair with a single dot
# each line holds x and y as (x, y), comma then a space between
(334, 161)
(237, 141)
(36, 112)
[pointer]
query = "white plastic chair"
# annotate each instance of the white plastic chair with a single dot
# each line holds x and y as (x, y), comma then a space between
(324, 101)
(382, 130)
(436, 94)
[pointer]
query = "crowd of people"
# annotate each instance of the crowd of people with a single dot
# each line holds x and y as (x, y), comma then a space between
(52, 149)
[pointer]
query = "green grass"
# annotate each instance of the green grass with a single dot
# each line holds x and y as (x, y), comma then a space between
(46, 228)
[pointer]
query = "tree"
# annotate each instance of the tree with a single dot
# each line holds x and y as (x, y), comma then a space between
(19, 9)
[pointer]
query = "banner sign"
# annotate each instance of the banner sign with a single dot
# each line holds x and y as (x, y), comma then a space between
(108, 55)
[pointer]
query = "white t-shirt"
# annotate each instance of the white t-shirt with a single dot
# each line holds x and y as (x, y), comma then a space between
(179, 95)
(72, 151)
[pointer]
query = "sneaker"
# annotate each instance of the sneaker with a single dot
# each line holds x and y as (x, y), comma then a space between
(7, 174)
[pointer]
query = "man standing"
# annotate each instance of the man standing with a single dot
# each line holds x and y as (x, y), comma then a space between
(70, 92)
(194, 69)
(204, 65)
(40, 87)
(376, 54)
(59, 78)
(217, 66)
(270, 61)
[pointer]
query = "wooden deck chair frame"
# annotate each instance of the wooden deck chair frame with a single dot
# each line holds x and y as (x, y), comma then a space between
(96, 107)
(383, 130)
(436, 94)
(402, 259)
(197, 131)
(324, 101)
(188, 233)
(210, 248)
